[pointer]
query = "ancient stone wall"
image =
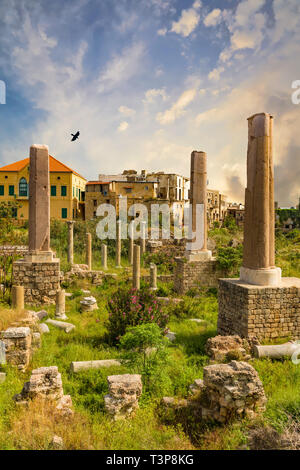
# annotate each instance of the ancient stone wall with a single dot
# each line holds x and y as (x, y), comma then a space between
(10, 250)
(265, 312)
(40, 280)
(195, 274)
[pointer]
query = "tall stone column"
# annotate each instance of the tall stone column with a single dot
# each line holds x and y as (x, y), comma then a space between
(70, 241)
(42, 270)
(118, 245)
(197, 246)
(143, 238)
(259, 226)
(39, 205)
(131, 243)
(89, 251)
(60, 308)
(104, 256)
(136, 270)
(153, 276)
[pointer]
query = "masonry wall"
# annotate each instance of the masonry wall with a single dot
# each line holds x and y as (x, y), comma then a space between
(195, 274)
(40, 280)
(264, 312)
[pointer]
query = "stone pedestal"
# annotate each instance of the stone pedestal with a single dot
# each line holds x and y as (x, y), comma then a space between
(197, 273)
(266, 312)
(40, 279)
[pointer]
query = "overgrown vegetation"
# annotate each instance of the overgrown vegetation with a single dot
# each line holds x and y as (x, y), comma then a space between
(167, 368)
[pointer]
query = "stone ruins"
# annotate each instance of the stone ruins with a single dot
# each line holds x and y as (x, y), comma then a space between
(197, 267)
(39, 271)
(124, 392)
(260, 303)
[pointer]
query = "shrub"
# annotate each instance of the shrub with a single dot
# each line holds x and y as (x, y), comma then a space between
(145, 350)
(131, 307)
(230, 258)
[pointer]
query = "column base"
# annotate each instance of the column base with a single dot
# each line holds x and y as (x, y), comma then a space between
(204, 255)
(39, 257)
(261, 277)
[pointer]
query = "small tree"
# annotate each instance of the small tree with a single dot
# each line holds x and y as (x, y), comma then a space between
(145, 351)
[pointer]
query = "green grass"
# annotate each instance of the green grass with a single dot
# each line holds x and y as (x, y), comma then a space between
(91, 428)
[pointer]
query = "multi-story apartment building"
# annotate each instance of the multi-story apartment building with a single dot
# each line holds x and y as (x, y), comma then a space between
(67, 189)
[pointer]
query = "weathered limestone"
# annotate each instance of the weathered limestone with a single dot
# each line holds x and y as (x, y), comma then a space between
(153, 276)
(38, 272)
(220, 348)
(136, 271)
(259, 228)
(44, 328)
(67, 327)
(36, 341)
(277, 351)
(46, 383)
(17, 294)
(124, 392)
(195, 274)
(88, 304)
(2, 353)
(131, 244)
(86, 365)
(89, 251)
(118, 244)
(104, 256)
(18, 346)
(198, 196)
(60, 310)
(70, 241)
(230, 391)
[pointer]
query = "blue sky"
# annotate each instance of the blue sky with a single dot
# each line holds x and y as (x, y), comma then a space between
(148, 81)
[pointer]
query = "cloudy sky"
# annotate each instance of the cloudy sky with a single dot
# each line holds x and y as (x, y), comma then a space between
(148, 81)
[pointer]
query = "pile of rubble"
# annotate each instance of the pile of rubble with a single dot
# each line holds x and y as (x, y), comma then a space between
(221, 348)
(124, 392)
(46, 382)
(88, 304)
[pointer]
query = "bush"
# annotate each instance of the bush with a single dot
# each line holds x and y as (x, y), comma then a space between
(229, 259)
(145, 351)
(131, 307)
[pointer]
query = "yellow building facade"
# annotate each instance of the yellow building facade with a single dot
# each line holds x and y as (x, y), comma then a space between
(67, 189)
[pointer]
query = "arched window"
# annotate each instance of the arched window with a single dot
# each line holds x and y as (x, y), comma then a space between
(23, 187)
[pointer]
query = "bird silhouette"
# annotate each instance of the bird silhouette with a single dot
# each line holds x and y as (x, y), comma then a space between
(75, 136)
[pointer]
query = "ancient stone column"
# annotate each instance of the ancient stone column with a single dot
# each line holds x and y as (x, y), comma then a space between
(197, 246)
(118, 245)
(153, 276)
(17, 300)
(143, 238)
(39, 205)
(259, 227)
(89, 251)
(131, 243)
(60, 307)
(70, 242)
(136, 271)
(104, 256)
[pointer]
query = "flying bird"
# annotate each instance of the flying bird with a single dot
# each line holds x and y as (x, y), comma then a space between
(75, 136)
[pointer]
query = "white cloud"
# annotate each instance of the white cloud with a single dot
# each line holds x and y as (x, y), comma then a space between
(213, 18)
(216, 73)
(178, 108)
(153, 93)
(188, 21)
(162, 31)
(123, 126)
(121, 67)
(126, 111)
